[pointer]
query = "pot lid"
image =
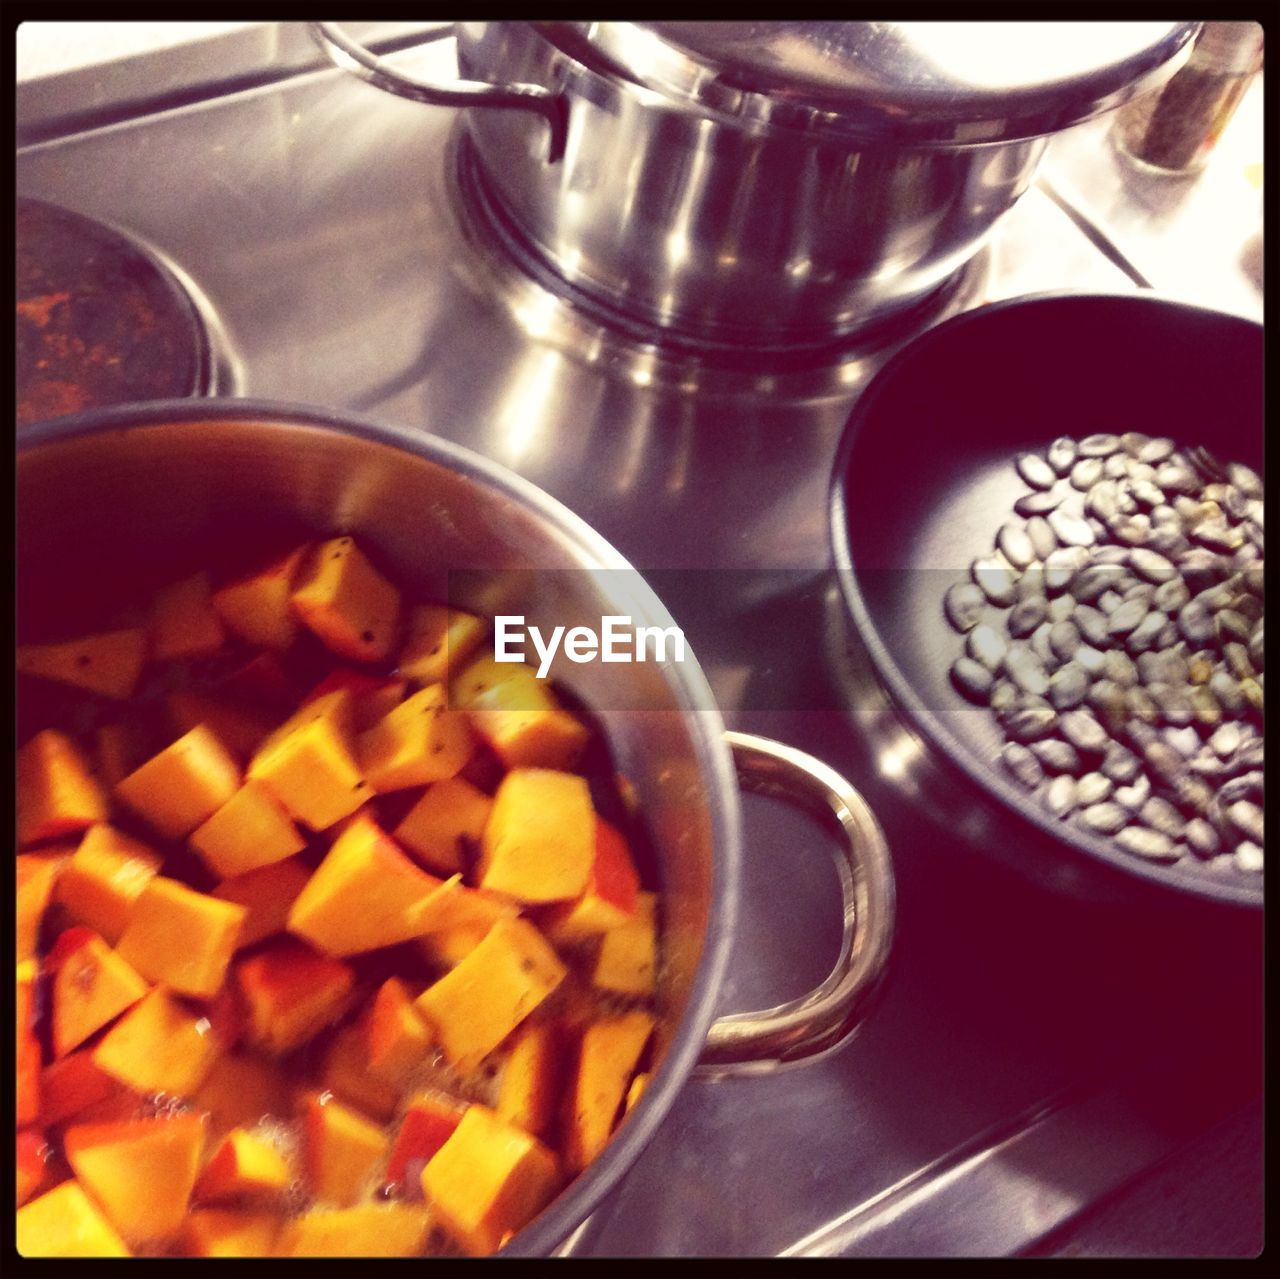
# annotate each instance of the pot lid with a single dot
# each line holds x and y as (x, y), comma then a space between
(923, 82)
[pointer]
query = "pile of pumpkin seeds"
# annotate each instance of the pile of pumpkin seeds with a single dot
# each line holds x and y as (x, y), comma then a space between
(1116, 632)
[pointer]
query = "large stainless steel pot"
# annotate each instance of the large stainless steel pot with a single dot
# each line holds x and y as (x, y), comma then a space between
(769, 183)
(112, 505)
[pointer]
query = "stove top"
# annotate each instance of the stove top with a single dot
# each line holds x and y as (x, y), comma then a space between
(1031, 1057)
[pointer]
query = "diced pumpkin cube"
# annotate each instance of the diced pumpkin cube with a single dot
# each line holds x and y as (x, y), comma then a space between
(636, 1091)
(183, 785)
(108, 663)
(118, 750)
(308, 764)
(369, 1230)
(609, 898)
(607, 1058)
(450, 946)
(539, 843)
(454, 905)
(399, 1039)
(64, 1222)
(528, 1088)
(417, 742)
(56, 794)
(364, 867)
(73, 1084)
(29, 1059)
(92, 985)
(342, 1150)
(250, 830)
(239, 1091)
(346, 1074)
(476, 1005)
(242, 1166)
(37, 873)
(184, 622)
(182, 938)
(429, 1121)
(488, 1180)
(268, 894)
(32, 1154)
(256, 606)
(104, 878)
(518, 716)
(627, 962)
(372, 696)
(343, 599)
(241, 729)
(448, 812)
(440, 639)
(158, 1046)
(141, 1172)
(230, 1232)
(291, 992)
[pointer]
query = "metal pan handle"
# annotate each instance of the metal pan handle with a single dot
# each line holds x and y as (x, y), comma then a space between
(817, 1022)
(351, 56)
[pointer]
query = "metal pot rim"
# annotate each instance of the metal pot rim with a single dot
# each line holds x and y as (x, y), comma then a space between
(905, 699)
(706, 729)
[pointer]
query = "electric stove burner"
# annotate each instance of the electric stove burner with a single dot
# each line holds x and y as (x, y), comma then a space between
(101, 319)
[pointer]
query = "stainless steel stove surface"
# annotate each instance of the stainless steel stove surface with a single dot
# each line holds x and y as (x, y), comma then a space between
(1032, 1057)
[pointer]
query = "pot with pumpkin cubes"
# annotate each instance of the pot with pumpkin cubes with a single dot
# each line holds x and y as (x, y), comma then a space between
(336, 935)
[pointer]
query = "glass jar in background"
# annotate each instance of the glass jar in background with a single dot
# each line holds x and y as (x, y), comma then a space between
(1174, 129)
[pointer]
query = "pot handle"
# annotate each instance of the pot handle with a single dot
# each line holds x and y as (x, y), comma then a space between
(802, 1028)
(349, 55)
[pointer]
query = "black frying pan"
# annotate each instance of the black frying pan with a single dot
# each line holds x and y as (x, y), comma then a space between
(924, 478)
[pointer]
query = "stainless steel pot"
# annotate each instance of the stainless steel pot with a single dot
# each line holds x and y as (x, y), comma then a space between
(112, 505)
(769, 184)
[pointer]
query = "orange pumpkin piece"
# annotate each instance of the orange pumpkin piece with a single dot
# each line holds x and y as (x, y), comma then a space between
(64, 1222)
(399, 1039)
(627, 962)
(241, 729)
(609, 898)
(429, 1121)
(256, 606)
(372, 696)
(309, 765)
(607, 1058)
(456, 906)
(368, 1230)
(92, 985)
(539, 842)
(37, 873)
(476, 1005)
(56, 794)
(636, 1091)
(450, 946)
(250, 830)
(345, 601)
(416, 742)
(183, 785)
(158, 1046)
(32, 1153)
(528, 1087)
(488, 1180)
(364, 866)
(182, 938)
(346, 1074)
(448, 812)
(291, 992)
(108, 663)
(29, 1059)
(342, 1150)
(230, 1232)
(268, 894)
(104, 877)
(440, 639)
(242, 1167)
(141, 1172)
(239, 1091)
(73, 1084)
(183, 621)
